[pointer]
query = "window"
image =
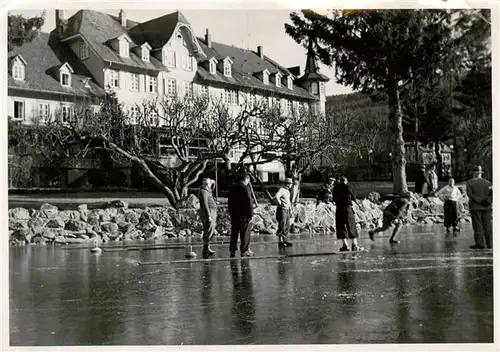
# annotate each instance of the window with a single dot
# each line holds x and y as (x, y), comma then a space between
(188, 89)
(314, 88)
(134, 81)
(212, 68)
(290, 83)
(84, 51)
(322, 87)
(187, 62)
(169, 59)
(44, 111)
(170, 87)
(153, 119)
(134, 113)
(114, 79)
(152, 83)
(203, 91)
(230, 96)
(123, 48)
(18, 71)
(265, 78)
(278, 80)
(145, 54)
(19, 110)
(251, 100)
(66, 113)
(65, 79)
(227, 69)
(290, 106)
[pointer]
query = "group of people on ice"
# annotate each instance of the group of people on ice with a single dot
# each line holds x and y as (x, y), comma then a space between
(241, 205)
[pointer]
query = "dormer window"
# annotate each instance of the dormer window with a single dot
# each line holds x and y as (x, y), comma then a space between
(84, 51)
(225, 66)
(65, 75)
(227, 69)
(145, 48)
(289, 82)
(278, 77)
(18, 68)
(123, 48)
(212, 66)
(265, 77)
(65, 79)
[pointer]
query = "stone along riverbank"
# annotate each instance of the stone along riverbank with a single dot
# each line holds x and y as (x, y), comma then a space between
(116, 222)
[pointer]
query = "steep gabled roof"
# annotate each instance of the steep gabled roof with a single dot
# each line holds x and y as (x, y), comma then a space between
(158, 31)
(246, 64)
(44, 55)
(99, 29)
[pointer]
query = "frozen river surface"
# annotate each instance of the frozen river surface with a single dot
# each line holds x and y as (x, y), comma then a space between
(429, 288)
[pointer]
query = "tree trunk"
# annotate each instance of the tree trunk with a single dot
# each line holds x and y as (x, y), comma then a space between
(397, 142)
(147, 171)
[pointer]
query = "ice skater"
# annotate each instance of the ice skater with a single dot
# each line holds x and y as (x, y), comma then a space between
(240, 207)
(283, 213)
(393, 215)
(450, 194)
(208, 214)
(345, 221)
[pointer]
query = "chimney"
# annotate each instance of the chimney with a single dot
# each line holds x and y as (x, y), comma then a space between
(208, 39)
(260, 51)
(123, 18)
(60, 21)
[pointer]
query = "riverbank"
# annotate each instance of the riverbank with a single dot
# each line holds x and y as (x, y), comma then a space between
(66, 200)
(117, 221)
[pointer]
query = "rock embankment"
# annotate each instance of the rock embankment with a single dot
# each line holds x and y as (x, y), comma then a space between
(117, 222)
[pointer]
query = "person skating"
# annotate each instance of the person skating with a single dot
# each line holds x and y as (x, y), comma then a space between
(393, 215)
(208, 214)
(450, 194)
(283, 213)
(325, 193)
(240, 207)
(480, 195)
(343, 196)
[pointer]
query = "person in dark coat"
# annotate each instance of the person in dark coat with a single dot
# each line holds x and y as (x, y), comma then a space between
(343, 196)
(240, 207)
(480, 193)
(208, 214)
(393, 215)
(420, 181)
(325, 193)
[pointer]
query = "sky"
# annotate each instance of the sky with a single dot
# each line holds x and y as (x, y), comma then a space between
(246, 29)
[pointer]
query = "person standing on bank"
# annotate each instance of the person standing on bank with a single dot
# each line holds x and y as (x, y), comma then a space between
(480, 195)
(208, 214)
(420, 181)
(295, 191)
(325, 194)
(393, 215)
(450, 194)
(283, 213)
(240, 205)
(432, 180)
(345, 222)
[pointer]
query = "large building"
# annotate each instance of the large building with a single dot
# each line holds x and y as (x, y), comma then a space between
(91, 52)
